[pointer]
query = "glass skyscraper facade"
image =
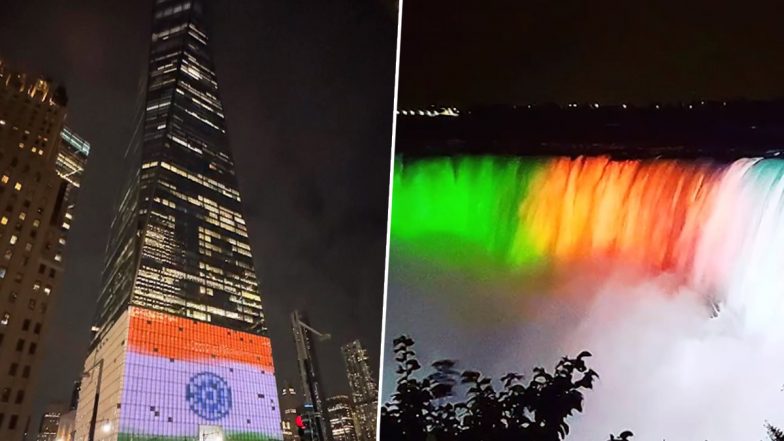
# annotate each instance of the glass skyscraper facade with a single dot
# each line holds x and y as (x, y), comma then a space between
(181, 350)
(179, 242)
(364, 391)
(342, 422)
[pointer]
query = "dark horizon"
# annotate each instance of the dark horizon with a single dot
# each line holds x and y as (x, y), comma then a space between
(313, 177)
(462, 53)
(722, 130)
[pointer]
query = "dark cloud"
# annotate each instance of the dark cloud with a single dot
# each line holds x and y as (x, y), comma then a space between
(308, 90)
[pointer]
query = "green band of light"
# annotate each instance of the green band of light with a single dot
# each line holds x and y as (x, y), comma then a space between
(461, 210)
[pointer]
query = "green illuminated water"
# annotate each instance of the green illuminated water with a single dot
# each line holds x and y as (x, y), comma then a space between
(464, 210)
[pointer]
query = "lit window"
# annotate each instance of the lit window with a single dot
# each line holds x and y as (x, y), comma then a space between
(3, 220)
(48, 290)
(28, 246)
(36, 223)
(22, 215)
(2, 272)
(58, 257)
(6, 318)
(4, 179)
(12, 240)
(18, 186)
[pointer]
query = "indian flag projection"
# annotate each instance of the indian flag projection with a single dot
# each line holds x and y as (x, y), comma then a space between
(187, 380)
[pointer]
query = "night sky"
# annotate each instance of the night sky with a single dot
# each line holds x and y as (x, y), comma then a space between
(469, 52)
(307, 87)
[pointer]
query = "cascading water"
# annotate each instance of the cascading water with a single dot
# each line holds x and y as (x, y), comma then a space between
(670, 272)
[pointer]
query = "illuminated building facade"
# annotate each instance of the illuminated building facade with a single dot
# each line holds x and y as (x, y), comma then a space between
(36, 211)
(289, 405)
(310, 375)
(181, 349)
(65, 426)
(341, 418)
(364, 389)
(50, 420)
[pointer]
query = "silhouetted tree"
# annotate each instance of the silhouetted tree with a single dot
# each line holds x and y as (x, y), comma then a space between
(409, 413)
(445, 423)
(427, 409)
(624, 436)
(774, 433)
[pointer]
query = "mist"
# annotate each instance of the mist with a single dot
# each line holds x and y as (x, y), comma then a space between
(675, 362)
(668, 272)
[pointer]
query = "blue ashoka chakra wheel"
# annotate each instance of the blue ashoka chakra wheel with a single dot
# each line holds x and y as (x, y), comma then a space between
(208, 396)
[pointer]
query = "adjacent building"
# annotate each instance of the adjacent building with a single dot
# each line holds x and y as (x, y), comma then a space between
(364, 388)
(342, 421)
(36, 212)
(181, 348)
(50, 420)
(66, 427)
(289, 405)
(71, 160)
(310, 375)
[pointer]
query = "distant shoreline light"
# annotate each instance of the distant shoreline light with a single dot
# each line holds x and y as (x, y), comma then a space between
(444, 111)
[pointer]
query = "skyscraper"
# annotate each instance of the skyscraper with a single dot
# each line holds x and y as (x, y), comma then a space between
(181, 349)
(364, 389)
(310, 375)
(341, 418)
(71, 160)
(65, 426)
(36, 202)
(50, 420)
(289, 403)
